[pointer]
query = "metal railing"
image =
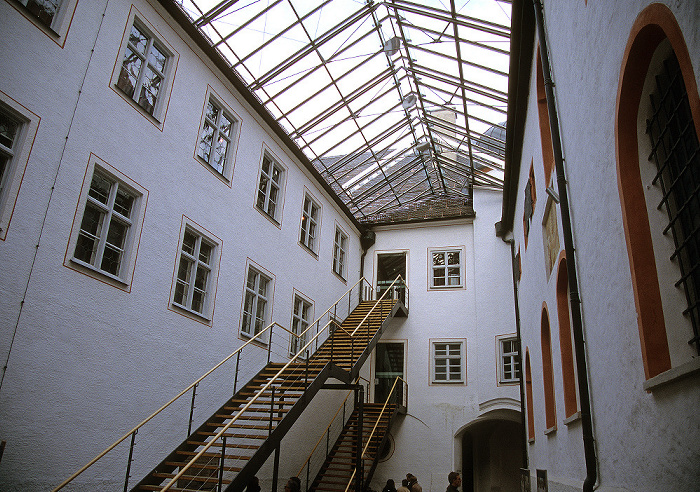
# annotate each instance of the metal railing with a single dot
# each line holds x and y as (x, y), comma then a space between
(246, 361)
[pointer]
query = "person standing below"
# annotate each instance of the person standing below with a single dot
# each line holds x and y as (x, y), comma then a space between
(404, 486)
(413, 484)
(389, 487)
(455, 481)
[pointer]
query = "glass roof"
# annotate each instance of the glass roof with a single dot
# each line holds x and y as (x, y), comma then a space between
(397, 104)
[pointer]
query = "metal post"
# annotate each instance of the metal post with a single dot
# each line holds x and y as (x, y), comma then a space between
(128, 463)
(275, 468)
(235, 376)
(272, 410)
(194, 394)
(269, 346)
(358, 458)
(221, 464)
(306, 371)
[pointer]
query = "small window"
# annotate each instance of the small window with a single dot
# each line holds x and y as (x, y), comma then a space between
(18, 128)
(310, 217)
(509, 363)
(107, 229)
(216, 142)
(340, 248)
(143, 75)
(44, 11)
(270, 188)
(301, 317)
(448, 361)
(446, 268)
(258, 289)
(529, 204)
(53, 17)
(194, 277)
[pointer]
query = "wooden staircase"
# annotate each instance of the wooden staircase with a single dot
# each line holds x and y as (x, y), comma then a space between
(258, 429)
(337, 472)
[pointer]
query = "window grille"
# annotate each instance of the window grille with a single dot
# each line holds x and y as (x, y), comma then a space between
(675, 151)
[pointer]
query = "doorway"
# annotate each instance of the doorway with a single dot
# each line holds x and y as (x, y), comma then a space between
(389, 266)
(389, 364)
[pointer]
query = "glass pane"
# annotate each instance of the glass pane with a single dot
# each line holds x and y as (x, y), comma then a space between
(211, 112)
(3, 166)
(205, 252)
(200, 281)
(276, 173)
(198, 301)
(116, 236)
(123, 202)
(225, 125)
(189, 243)
(92, 221)
(129, 72)
(44, 10)
(438, 259)
(8, 130)
(453, 258)
(266, 166)
(111, 259)
(252, 276)
(183, 271)
(180, 293)
(157, 59)
(262, 192)
(85, 248)
(262, 289)
(205, 141)
(149, 90)
(99, 188)
(138, 40)
(220, 154)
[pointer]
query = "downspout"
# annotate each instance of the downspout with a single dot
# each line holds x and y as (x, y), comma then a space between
(575, 300)
(520, 351)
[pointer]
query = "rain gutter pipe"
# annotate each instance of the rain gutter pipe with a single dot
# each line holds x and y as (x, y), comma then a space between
(575, 300)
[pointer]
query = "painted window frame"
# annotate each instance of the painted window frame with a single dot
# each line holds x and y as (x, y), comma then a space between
(225, 171)
(300, 321)
(57, 27)
(437, 356)
(340, 252)
(191, 253)
(508, 358)
(154, 39)
(446, 251)
(252, 292)
(123, 278)
(17, 157)
(266, 178)
(310, 224)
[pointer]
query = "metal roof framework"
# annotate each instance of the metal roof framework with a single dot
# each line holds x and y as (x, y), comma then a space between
(394, 102)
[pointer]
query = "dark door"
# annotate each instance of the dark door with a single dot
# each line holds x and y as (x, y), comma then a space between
(388, 365)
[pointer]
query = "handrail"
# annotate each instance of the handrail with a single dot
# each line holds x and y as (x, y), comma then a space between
(255, 338)
(369, 438)
(235, 417)
(166, 405)
(378, 300)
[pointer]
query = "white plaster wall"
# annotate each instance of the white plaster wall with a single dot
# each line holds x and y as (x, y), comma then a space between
(88, 361)
(645, 441)
(426, 439)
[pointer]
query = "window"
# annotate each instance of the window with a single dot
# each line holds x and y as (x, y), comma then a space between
(107, 225)
(509, 362)
(53, 17)
(301, 317)
(529, 205)
(18, 127)
(270, 187)
(548, 375)
(309, 224)
(216, 138)
(107, 221)
(448, 361)
(446, 268)
(43, 10)
(340, 246)
(194, 277)
(143, 71)
(257, 292)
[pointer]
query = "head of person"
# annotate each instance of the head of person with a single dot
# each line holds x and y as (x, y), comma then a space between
(390, 483)
(293, 485)
(454, 479)
(411, 478)
(404, 482)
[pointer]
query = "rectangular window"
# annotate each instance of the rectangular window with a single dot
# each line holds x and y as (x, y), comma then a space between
(142, 75)
(193, 281)
(309, 224)
(446, 268)
(448, 361)
(105, 229)
(509, 363)
(257, 291)
(9, 133)
(340, 247)
(216, 138)
(269, 188)
(301, 317)
(43, 10)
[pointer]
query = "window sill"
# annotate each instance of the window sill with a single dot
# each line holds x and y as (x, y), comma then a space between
(224, 177)
(673, 374)
(260, 342)
(445, 287)
(191, 313)
(340, 277)
(576, 417)
(308, 250)
(551, 430)
(268, 217)
(95, 272)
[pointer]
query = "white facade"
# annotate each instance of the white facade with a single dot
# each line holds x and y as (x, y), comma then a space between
(646, 433)
(89, 355)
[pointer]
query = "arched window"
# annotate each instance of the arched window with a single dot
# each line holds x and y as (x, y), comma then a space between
(660, 218)
(565, 344)
(545, 131)
(528, 398)
(548, 374)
